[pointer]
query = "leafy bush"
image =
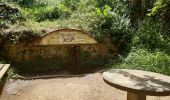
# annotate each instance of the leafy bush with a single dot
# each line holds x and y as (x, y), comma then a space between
(152, 36)
(114, 19)
(87, 6)
(47, 13)
(64, 11)
(142, 59)
(102, 3)
(72, 4)
(9, 14)
(159, 5)
(28, 3)
(114, 22)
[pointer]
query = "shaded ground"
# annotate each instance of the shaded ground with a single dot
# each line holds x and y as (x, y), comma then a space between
(88, 87)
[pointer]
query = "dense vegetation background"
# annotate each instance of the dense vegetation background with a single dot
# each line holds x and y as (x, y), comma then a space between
(140, 27)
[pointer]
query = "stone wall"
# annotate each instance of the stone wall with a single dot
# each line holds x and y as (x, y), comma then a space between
(41, 57)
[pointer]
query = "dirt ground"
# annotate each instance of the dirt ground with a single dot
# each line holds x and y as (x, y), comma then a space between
(88, 87)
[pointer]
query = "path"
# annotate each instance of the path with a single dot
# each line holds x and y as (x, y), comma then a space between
(88, 87)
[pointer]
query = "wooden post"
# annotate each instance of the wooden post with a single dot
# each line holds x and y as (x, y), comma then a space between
(134, 96)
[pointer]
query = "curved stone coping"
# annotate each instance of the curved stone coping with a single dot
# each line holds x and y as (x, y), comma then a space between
(138, 81)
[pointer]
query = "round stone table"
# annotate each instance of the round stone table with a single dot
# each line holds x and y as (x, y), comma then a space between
(138, 83)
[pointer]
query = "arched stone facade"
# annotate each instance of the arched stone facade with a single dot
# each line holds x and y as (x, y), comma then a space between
(63, 49)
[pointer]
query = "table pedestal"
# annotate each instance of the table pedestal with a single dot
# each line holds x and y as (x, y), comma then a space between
(134, 96)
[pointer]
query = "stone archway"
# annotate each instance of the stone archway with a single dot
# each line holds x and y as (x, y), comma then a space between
(67, 36)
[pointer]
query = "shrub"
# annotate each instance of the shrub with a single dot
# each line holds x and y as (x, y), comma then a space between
(47, 13)
(72, 4)
(9, 14)
(143, 59)
(114, 22)
(64, 11)
(29, 3)
(87, 6)
(152, 36)
(158, 5)
(102, 3)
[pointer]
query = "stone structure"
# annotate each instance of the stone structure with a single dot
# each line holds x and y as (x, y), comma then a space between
(138, 83)
(67, 36)
(67, 49)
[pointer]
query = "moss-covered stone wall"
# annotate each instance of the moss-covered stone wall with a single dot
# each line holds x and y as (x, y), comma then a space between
(65, 49)
(45, 58)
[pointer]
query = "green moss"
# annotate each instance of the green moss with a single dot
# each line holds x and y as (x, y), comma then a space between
(84, 55)
(47, 65)
(41, 65)
(90, 62)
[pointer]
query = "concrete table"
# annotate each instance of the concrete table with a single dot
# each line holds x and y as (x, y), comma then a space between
(138, 83)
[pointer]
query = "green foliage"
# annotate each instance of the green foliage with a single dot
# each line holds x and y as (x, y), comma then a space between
(114, 22)
(64, 11)
(161, 11)
(114, 18)
(143, 59)
(47, 13)
(12, 73)
(159, 4)
(9, 14)
(105, 18)
(102, 3)
(28, 3)
(72, 4)
(138, 9)
(152, 36)
(87, 6)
